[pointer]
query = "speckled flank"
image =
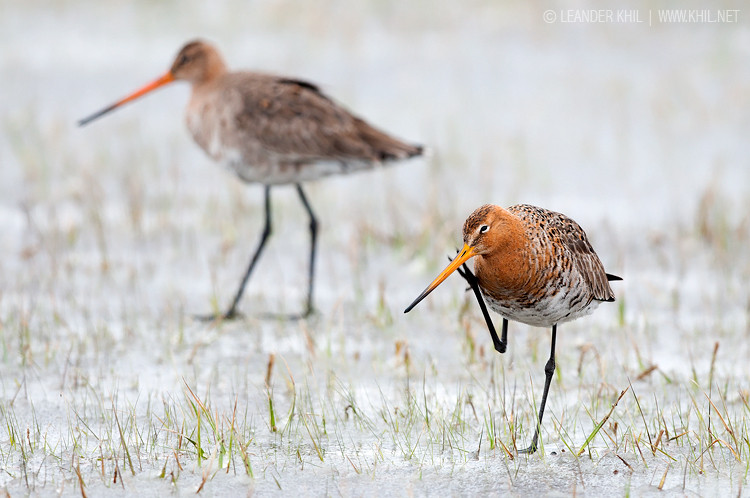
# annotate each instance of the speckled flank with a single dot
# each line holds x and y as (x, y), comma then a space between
(535, 266)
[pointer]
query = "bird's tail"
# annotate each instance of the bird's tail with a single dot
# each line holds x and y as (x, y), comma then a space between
(385, 147)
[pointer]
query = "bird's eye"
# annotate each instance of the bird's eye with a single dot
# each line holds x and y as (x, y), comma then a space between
(484, 228)
(184, 59)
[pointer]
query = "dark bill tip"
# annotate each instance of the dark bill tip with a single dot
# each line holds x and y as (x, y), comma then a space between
(96, 115)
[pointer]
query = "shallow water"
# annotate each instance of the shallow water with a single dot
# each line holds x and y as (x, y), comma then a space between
(114, 235)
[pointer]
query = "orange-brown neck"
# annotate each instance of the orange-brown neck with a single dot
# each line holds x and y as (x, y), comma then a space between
(504, 265)
(214, 70)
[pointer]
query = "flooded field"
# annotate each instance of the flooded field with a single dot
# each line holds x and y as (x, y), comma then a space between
(115, 235)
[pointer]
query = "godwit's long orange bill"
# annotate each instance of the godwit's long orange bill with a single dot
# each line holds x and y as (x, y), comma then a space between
(466, 253)
(167, 78)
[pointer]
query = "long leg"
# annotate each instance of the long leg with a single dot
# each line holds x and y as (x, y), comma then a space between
(313, 245)
(500, 344)
(232, 311)
(549, 369)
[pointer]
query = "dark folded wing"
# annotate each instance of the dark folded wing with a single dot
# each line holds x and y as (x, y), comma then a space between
(582, 254)
(296, 121)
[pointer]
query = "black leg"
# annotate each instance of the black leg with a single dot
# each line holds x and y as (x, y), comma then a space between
(549, 369)
(313, 244)
(500, 344)
(232, 311)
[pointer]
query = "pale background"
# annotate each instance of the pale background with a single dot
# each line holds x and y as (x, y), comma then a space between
(113, 235)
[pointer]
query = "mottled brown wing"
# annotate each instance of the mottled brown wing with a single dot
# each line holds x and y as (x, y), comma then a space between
(576, 243)
(585, 259)
(296, 121)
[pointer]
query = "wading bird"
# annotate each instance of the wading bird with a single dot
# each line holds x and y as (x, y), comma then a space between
(271, 130)
(532, 266)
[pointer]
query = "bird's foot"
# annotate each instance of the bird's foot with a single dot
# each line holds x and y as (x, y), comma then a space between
(231, 314)
(531, 449)
(467, 275)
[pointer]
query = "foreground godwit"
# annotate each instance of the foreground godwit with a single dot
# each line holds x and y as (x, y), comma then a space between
(271, 130)
(533, 266)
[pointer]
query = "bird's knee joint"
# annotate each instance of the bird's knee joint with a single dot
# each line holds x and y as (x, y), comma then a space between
(549, 368)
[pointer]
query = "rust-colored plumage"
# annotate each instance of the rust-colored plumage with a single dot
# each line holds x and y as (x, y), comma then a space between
(271, 130)
(535, 266)
(531, 265)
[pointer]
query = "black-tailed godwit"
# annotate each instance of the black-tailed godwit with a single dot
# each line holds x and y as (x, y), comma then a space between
(271, 130)
(533, 266)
